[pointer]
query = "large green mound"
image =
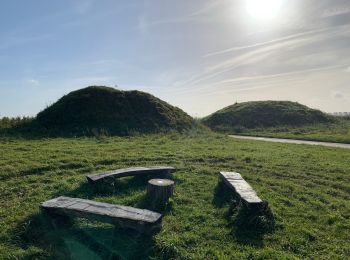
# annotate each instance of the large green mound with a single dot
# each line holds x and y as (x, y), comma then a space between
(106, 109)
(257, 114)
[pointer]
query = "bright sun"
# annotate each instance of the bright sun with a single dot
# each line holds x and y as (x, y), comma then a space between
(263, 9)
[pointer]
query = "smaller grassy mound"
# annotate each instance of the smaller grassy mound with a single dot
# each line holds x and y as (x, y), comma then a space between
(259, 114)
(107, 110)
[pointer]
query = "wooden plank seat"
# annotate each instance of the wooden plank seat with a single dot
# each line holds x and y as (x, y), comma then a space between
(246, 193)
(140, 219)
(92, 178)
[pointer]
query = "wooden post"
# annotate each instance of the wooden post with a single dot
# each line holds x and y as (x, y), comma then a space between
(159, 191)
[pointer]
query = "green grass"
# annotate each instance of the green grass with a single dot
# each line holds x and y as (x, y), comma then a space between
(307, 187)
(338, 131)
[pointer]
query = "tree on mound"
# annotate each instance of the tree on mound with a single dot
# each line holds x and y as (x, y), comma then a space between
(258, 114)
(99, 108)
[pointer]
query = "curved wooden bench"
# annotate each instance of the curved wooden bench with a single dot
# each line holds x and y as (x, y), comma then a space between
(246, 193)
(92, 178)
(140, 219)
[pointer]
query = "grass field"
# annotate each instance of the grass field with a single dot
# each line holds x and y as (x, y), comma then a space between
(339, 132)
(307, 187)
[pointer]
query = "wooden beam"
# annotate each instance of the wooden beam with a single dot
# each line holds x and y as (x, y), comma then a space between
(124, 216)
(130, 172)
(235, 181)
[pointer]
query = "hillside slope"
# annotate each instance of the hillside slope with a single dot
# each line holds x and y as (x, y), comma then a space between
(257, 114)
(114, 111)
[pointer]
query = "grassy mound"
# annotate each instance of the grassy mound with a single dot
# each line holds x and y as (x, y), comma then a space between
(107, 110)
(259, 114)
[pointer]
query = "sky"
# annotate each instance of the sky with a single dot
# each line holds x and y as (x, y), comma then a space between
(199, 55)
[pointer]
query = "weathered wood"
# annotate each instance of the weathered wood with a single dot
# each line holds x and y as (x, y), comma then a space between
(160, 190)
(130, 172)
(139, 219)
(246, 193)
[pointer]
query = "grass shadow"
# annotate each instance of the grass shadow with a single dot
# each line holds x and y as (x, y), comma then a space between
(63, 238)
(121, 186)
(248, 224)
(222, 195)
(146, 202)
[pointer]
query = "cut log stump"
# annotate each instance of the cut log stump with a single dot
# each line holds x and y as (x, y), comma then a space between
(159, 191)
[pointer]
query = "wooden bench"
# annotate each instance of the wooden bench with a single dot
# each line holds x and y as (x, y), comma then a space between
(245, 192)
(92, 178)
(140, 219)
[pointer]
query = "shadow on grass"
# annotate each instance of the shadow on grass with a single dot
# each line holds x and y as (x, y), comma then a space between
(121, 187)
(147, 202)
(223, 196)
(60, 238)
(65, 238)
(249, 225)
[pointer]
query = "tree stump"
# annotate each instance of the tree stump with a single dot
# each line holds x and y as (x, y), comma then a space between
(159, 191)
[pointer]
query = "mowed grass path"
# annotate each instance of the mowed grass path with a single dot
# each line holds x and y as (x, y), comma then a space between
(307, 187)
(338, 131)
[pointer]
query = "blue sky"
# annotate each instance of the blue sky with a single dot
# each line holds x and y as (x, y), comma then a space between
(198, 55)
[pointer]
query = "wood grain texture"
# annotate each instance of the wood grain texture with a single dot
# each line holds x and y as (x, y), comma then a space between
(133, 171)
(139, 219)
(242, 188)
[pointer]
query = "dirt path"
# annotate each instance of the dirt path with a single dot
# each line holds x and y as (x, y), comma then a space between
(292, 141)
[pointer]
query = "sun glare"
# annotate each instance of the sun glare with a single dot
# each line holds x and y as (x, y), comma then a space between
(263, 9)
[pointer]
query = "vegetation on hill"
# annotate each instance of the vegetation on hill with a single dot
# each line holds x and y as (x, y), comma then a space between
(11, 122)
(307, 188)
(108, 110)
(259, 114)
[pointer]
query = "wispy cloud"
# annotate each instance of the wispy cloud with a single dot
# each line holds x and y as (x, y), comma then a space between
(208, 7)
(197, 15)
(279, 75)
(246, 58)
(260, 44)
(340, 10)
(248, 83)
(292, 48)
